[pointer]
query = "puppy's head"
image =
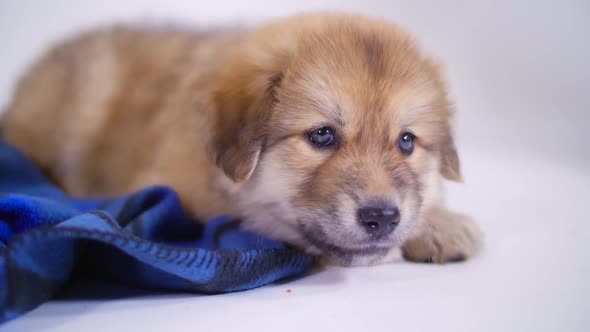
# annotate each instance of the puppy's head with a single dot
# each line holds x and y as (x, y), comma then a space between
(335, 130)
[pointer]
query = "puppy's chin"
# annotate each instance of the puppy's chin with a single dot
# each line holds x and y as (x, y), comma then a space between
(332, 254)
(314, 243)
(352, 257)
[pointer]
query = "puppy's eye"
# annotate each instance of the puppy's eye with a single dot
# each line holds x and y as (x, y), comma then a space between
(405, 143)
(322, 137)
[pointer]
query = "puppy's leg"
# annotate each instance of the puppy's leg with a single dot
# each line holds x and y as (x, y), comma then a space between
(444, 236)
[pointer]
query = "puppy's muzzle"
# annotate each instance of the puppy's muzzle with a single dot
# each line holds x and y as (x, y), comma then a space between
(379, 221)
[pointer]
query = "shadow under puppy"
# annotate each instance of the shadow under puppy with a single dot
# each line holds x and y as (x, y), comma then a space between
(328, 131)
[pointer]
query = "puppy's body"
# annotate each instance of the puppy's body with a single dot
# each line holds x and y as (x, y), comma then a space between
(116, 110)
(225, 118)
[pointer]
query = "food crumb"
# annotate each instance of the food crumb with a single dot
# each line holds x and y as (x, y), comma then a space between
(289, 291)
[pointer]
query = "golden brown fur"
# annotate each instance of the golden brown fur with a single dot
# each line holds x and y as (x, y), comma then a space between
(223, 118)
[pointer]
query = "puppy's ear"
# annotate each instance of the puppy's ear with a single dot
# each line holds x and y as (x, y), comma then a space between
(244, 96)
(450, 167)
(243, 102)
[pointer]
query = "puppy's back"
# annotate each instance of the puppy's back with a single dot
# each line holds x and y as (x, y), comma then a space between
(83, 111)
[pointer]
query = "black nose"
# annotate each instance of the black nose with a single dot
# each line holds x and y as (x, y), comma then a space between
(378, 221)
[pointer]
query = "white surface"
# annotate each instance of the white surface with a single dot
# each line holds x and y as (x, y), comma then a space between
(520, 81)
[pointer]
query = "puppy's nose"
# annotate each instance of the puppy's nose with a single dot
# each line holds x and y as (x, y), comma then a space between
(379, 221)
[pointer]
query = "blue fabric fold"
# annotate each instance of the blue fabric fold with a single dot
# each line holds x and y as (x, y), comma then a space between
(142, 239)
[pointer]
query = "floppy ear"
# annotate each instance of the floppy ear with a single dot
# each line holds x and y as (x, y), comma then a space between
(244, 97)
(243, 102)
(450, 167)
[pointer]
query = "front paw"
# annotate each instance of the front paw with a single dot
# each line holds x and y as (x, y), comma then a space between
(444, 237)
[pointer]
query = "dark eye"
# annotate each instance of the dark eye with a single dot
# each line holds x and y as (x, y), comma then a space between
(405, 143)
(322, 137)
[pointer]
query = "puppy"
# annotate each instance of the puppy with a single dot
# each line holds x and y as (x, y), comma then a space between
(330, 132)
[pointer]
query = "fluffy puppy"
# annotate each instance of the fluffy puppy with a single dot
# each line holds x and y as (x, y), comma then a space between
(330, 132)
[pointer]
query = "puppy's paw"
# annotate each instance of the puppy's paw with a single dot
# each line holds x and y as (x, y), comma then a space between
(444, 237)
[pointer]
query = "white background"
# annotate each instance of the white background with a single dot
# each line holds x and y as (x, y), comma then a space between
(520, 79)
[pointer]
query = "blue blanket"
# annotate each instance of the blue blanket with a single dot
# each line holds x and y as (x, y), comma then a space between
(142, 239)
